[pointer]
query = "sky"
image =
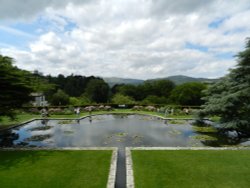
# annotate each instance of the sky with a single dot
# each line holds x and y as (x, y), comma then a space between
(140, 39)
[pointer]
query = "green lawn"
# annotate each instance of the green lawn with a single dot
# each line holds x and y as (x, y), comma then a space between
(195, 169)
(20, 118)
(52, 169)
(7, 122)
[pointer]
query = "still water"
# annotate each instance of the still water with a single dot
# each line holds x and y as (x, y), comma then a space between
(103, 131)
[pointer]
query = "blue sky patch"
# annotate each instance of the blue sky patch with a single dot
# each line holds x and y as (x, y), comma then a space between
(198, 47)
(17, 35)
(70, 26)
(52, 25)
(30, 28)
(234, 31)
(217, 23)
(225, 55)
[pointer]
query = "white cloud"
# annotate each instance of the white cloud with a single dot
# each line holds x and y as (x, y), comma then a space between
(139, 39)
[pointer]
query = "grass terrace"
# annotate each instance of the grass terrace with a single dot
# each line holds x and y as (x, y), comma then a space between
(189, 168)
(52, 169)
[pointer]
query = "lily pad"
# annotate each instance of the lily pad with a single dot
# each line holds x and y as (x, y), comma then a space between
(205, 129)
(42, 128)
(177, 122)
(38, 137)
(120, 140)
(65, 122)
(174, 132)
(137, 139)
(121, 134)
(68, 132)
(204, 137)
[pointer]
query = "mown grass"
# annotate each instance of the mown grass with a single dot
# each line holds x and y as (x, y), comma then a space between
(20, 118)
(186, 168)
(54, 169)
(7, 122)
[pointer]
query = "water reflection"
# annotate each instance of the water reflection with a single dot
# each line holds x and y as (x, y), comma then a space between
(7, 138)
(90, 119)
(110, 130)
(44, 121)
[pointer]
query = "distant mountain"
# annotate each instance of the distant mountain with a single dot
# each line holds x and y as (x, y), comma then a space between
(114, 80)
(178, 79)
(181, 79)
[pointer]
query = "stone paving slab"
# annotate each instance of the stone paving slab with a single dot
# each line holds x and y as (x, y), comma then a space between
(113, 169)
(189, 148)
(129, 169)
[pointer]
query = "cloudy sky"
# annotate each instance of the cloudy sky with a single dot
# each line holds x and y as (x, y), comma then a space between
(125, 38)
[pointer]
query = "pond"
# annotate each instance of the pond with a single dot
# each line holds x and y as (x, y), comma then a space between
(109, 131)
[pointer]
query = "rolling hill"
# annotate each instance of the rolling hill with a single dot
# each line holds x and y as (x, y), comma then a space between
(114, 80)
(181, 79)
(178, 79)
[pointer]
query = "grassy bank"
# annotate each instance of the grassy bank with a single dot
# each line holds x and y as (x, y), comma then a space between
(52, 169)
(183, 168)
(6, 122)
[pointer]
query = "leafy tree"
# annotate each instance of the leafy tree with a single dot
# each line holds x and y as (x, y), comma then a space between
(60, 98)
(40, 83)
(188, 94)
(116, 88)
(159, 88)
(122, 99)
(60, 81)
(97, 90)
(75, 85)
(152, 99)
(145, 90)
(84, 100)
(79, 101)
(229, 98)
(162, 88)
(74, 101)
(14, 87)
(129, 90)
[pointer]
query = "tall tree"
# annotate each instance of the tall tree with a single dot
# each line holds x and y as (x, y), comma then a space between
(39, 82)
(162, 88)
(188, 94)
(230, 97)
(60, 98)
(129, 90)
(122, 99)
(14, 87)
(97, 90)
(159, 88)
(75, 85)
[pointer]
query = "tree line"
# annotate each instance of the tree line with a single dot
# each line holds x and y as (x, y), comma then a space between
(73, 89)
(159, 92)
(80, 90)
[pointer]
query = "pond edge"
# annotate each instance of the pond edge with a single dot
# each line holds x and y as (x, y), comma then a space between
(86, 116)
